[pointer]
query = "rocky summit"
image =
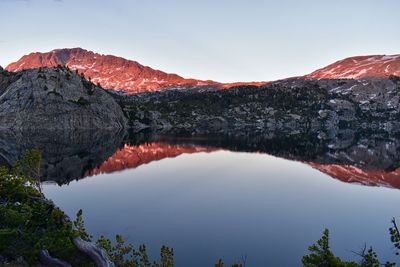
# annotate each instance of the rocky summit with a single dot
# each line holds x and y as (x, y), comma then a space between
(55, 98)
(108, 71)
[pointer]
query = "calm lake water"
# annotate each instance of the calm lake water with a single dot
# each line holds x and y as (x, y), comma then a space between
(265, 199)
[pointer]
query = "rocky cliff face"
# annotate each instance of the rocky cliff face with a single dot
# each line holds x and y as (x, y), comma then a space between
(53, 99)
(359, 67)
(109, 71)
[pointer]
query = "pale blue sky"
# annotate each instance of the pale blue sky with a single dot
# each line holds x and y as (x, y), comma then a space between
(223, 40)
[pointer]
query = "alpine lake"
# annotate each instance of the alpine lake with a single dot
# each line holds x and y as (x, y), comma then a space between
(256, 198)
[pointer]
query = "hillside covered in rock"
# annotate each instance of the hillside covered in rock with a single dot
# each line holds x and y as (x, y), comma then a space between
(289, 106)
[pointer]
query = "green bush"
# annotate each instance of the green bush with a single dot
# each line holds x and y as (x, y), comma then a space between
(30, 223)
(81, 101)
(322, 256)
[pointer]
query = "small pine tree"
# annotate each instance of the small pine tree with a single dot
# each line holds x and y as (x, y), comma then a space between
(322, 256)
(167, 256)
(370, 259)
(219, 263)
(395, 236)
(80, 226)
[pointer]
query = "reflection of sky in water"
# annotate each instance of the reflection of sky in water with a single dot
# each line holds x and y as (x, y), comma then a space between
(224, 205)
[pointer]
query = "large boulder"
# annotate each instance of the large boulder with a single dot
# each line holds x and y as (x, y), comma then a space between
(56, 98)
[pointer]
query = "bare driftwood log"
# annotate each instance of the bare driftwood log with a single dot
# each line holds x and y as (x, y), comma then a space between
(98, 255)
(47, 260)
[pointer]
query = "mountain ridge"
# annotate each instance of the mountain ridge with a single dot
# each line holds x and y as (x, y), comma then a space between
(117, 73)
(110, 72)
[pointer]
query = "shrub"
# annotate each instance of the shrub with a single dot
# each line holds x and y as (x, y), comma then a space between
(81, 101)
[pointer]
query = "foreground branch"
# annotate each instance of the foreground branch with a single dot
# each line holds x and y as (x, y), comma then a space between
(98, 255)
(47, 260)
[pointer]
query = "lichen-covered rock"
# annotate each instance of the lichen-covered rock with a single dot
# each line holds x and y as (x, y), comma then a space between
(55, 98)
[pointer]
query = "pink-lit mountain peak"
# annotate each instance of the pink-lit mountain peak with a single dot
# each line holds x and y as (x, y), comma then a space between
(111, 72)
(359, 67)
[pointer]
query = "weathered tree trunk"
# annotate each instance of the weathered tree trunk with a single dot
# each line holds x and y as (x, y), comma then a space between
(47, 260)
(98, 255)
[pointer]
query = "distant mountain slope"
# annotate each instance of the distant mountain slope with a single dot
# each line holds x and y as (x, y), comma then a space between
(109, 71)
(359, 67)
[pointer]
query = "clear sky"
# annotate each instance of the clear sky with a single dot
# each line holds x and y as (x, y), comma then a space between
(223, 40)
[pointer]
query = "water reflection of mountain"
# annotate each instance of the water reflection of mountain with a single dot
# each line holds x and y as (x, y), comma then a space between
(129, 156)
(366, 158)
(353, 157)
